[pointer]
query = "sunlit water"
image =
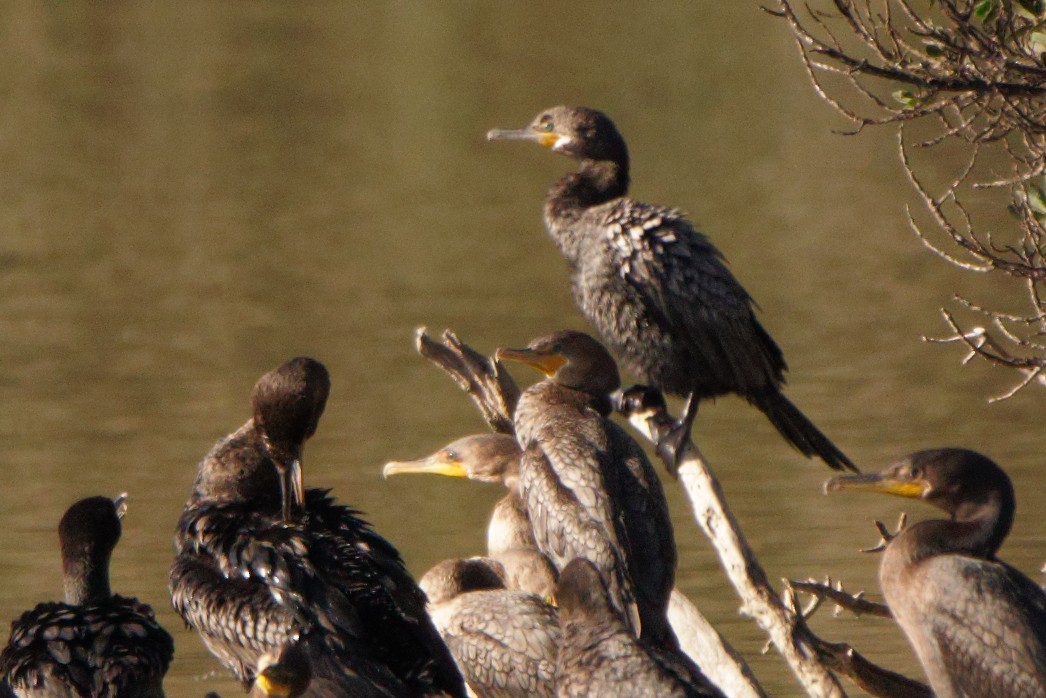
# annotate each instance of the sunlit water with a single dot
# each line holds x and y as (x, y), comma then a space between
(191, 195)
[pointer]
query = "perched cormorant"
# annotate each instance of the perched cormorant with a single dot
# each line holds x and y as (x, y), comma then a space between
(95, 643)
(510, 540)
(657, 290)
(261, 561)
(505, 642)
(588, 487)
(599, 657)
(977, 625)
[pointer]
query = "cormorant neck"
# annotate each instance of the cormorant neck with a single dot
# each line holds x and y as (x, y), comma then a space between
(581, 398)
(86, 580)
(595, 182)
(975, 529)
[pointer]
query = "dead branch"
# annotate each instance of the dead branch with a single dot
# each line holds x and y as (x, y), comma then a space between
(843, 659)
(646, 411)
(485, 380)
(854, 603)
(495, 394)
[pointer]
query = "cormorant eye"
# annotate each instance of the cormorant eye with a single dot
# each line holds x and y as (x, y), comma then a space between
(450, 455)
(547, 126)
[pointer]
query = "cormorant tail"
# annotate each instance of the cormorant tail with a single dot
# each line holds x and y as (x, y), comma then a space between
(799, 430)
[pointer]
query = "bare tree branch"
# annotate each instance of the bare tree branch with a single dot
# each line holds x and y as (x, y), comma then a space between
(974, 71)
(843, 659)
(854, 603)
(485, 380)
(646, 411)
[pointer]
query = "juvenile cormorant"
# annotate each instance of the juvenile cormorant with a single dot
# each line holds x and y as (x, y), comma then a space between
(494, 458)
(505, 642)
(599, 658)
(977, 625)
(260, 561)
(95, 643)
(657, 290)
(588, 487)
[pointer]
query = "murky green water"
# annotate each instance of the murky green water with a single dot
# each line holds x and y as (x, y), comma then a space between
(191, 194)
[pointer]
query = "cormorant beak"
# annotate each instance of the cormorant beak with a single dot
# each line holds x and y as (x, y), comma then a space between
(549, 139)
(292, 490)
(546, 362)
(436, 464)
(120, 502)
(883, 483)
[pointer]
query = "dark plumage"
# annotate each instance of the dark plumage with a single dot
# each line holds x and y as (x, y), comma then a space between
(505, 642)
(95, 643)
(977, 625)
(259, 565)
(494, 458)
(590, 491)
(598, 656)
(658, 292)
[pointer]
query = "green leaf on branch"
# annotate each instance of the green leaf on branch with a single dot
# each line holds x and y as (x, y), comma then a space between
(984, 9)
(908, 98)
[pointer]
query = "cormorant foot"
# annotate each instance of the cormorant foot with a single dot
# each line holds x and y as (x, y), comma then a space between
(672, 444)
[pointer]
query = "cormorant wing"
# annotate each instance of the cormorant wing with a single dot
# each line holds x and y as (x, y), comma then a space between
(505, 642)
(687, 284)
(990, 626)
(571, 517)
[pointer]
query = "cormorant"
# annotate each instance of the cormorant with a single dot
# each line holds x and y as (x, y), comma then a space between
(588, 487)
(977, 625)
(95, 643)
(505, 642)
(261, 562)
(599, 657)
(510, 540)
(658, 291)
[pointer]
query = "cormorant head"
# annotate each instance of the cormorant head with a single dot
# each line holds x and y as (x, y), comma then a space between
(582, 593)
(450, 578)
(88, 532)
(481, 457)
(571, 359)
(285, 674)
(963, 483)
(288, 402)
(580, 132)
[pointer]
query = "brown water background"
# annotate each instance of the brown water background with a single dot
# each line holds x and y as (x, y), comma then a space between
(192, 193)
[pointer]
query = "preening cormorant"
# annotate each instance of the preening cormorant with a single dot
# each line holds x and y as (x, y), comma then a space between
(262, 562)
(658, 291)
(94, 643)
(977, 624)
(599, 657)
(505, 642)
(494, 458)
(590, 491)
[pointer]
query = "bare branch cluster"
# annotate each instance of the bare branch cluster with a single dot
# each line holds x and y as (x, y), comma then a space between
(969, 74)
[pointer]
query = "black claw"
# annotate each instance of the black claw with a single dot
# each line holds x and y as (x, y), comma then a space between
(671, 445)
(638, 398)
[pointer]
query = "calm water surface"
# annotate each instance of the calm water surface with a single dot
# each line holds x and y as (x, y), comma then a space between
(191, 194)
